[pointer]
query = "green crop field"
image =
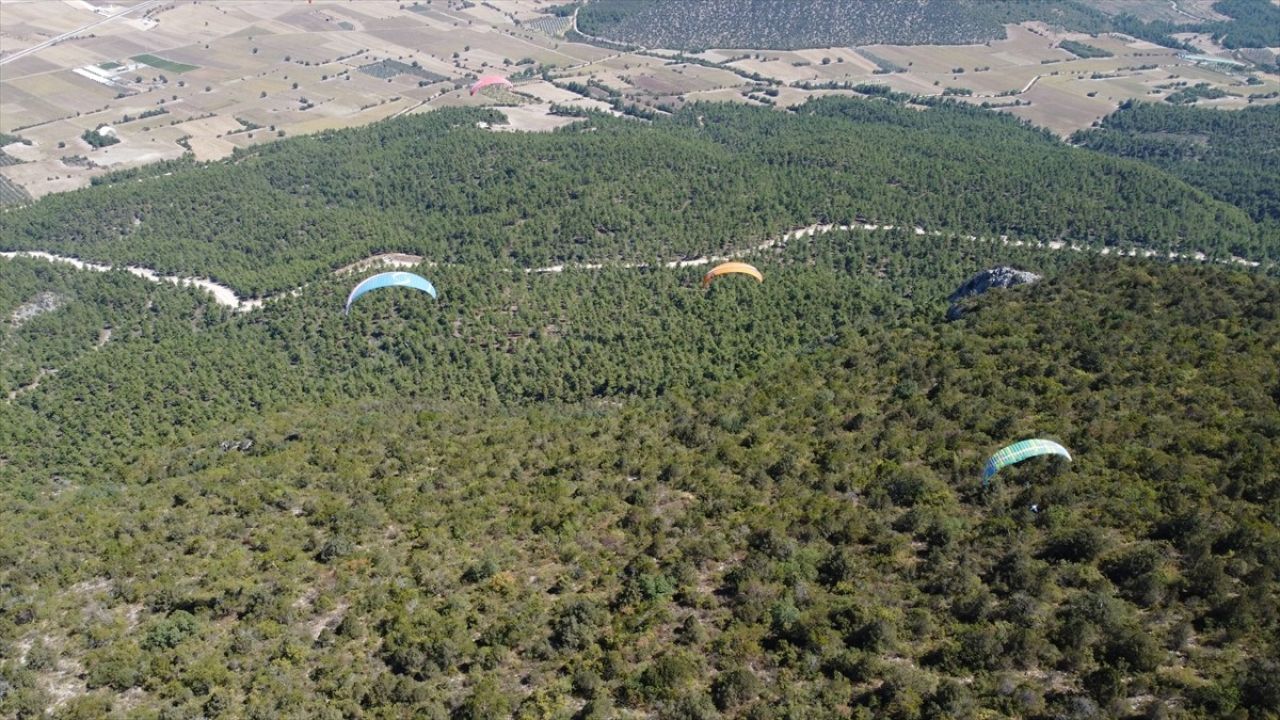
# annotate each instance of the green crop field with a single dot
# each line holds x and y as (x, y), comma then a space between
(162, 64)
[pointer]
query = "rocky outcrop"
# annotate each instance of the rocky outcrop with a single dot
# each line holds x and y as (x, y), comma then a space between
(997, 277)
(42, 303)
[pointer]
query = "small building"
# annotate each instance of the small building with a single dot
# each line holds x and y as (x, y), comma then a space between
(107, 131)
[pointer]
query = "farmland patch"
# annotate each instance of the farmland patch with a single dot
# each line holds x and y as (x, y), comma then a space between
(10, 194)
(29, 65)
(351, 63)
(550, 25)
(391, 68)
(162, 64)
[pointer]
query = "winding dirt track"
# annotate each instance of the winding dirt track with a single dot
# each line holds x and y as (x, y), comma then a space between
(227, 297)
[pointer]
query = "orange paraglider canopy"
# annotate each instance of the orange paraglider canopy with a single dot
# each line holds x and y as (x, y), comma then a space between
(731, 267)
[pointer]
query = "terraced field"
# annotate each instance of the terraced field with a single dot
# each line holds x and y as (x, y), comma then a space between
(11, 193)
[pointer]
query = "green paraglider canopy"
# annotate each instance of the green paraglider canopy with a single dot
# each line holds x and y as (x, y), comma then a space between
(1018, 452)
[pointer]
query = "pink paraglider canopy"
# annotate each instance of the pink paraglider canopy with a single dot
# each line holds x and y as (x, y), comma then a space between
(488, 80)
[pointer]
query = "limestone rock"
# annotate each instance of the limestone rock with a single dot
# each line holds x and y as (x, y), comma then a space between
(997, 277)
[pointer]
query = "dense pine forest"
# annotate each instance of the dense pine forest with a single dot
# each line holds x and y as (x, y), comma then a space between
(703, 24)
(713, 177)
(804, 537)
(608, 492)
(814, 23)
(1230, 155)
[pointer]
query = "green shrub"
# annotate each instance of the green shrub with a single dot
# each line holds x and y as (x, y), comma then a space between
(734, 687)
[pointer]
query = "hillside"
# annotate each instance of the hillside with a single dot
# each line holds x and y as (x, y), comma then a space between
(702, 24)
(495, 336)
(578, 484)
(818, 23)
(798, 537)
(1231, 156)
(710, 178)
(259, 71)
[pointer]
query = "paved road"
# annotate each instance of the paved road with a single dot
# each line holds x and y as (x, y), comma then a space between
(146, 4)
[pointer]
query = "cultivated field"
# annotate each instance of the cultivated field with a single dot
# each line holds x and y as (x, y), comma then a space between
(207, 76)
(1028, 71)
(222, 74)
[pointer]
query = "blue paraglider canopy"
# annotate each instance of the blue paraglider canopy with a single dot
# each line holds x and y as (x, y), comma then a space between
(390, 279)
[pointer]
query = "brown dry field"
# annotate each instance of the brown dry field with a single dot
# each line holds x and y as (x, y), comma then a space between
(59, 94)
(547, 92)
(1060, 107)
(531, 118)
(618, 63)
(27, 24)
(210, 148)
(41, 180)
(724, 95)
(483, 14)
(524, 11)
(321, 46)
(780, 66)
(680, 79)
(836, 56)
